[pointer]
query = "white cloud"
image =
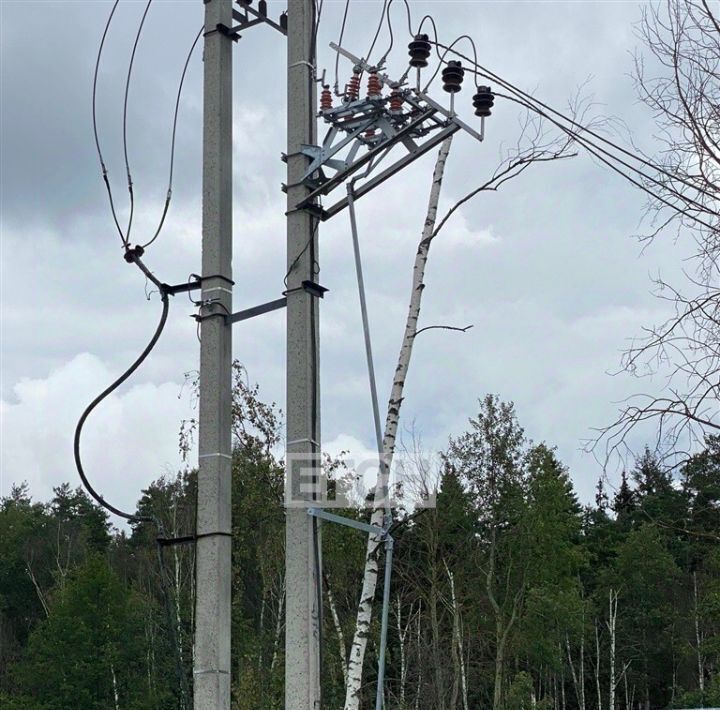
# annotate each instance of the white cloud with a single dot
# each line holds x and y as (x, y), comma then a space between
(130, 440)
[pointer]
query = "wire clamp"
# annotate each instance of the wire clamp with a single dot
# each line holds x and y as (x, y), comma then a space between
(230, 32)
(189, 539)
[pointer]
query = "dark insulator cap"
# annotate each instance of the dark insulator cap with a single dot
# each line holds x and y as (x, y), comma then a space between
(452, 76)
(262, 8)
(284, 21)
(419, 51)
(483, 101)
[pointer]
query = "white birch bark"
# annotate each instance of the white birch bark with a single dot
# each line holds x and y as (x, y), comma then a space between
(457, 637)
(698, 638)
(38, 591)
(367, 596)
(578, 680)
(278, 624)
(611, 624)
(342, 648)
(597, 667)
(116, 695)
(402, 636)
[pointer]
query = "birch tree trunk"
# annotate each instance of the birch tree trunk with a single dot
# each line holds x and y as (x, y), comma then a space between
(698, 638)
(597, 666)
(367, 595)
(611, 624)
(342, 648)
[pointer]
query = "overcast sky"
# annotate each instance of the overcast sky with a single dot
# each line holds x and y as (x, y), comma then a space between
(547, 270)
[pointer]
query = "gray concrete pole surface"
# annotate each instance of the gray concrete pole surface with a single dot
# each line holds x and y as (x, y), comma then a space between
(302, 532)
(211, 669)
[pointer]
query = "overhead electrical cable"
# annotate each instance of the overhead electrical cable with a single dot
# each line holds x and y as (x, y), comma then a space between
(95, 126)
(377, 32)
(484, 72)
(598, 152)
(390, 29)
(125, 107)
(449, 49)
(106, 393)
(172, 142)
(340, 41)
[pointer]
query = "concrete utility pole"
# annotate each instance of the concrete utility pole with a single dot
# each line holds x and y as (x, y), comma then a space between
(211, 669)
(302, 541)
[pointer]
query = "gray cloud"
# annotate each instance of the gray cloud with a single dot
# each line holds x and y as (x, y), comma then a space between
(546, 269)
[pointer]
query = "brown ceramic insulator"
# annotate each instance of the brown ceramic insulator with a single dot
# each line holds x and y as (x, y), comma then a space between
(396, 101)
(374, 84)
(326, 99)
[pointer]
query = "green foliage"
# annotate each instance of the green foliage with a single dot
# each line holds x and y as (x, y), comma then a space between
(499, 594)
(90, 648)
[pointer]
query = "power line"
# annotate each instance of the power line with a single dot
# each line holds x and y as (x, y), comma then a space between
(377, 32)
(95, 127)
(125, 105)
(449, 49)
(172, 143)
(483, 71)
(390, 29)
(337, 54)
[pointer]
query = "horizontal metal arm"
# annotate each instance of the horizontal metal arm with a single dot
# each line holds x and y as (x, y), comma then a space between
(257, 310)
(349, 522)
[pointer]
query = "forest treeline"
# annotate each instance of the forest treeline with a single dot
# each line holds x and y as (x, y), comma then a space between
(509, 594)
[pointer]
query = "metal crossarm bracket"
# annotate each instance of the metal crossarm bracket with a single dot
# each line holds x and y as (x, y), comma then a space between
(259, 16)
(365, 187)
(363, 131)
(193, 285)
(231, 32)
(348, 522)
(257, 310)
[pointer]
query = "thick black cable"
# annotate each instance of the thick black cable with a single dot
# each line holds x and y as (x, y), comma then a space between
(103, 395)
(125, 106)
(172, 142)
(95, 126)
(484, 72)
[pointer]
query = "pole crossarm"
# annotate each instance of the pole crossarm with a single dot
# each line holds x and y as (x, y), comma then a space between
(363, 131)
(349, 522)
(257, 310)
(259, 15)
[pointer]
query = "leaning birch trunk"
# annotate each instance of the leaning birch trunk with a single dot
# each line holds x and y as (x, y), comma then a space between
(374, 546)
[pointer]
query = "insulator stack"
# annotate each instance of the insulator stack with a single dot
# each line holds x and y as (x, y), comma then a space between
(419, 51)
(374, 86)
(326, 99)
(370, 133)
(452, 76)
(352, 90)
(483, 101)
(262, 8)
(396, 101)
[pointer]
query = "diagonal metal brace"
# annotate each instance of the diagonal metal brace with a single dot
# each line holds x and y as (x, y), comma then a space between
(348, 522)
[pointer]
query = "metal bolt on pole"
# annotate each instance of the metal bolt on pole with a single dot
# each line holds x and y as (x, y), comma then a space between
(211, 668)
(302, 549)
